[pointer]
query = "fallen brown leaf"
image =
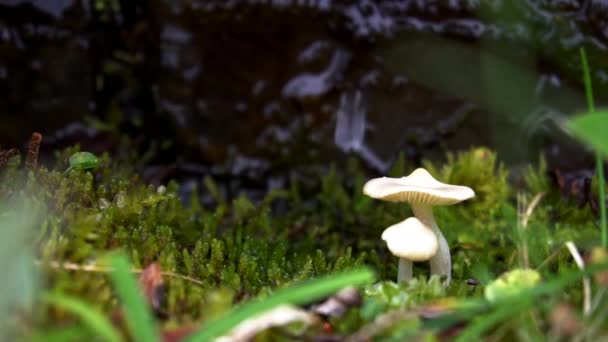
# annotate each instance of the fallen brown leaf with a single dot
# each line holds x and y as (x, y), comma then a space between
(153, 286)
(277, 317)
(564, 322)
(178, 334)
(598, 256)
(338, 304)
(576, 185)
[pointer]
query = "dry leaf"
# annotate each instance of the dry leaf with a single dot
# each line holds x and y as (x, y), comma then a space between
(279, 316)
(576, 185)
(152, 284)
(564, 322)
(178, 334)
(598, 256)
(338, 304)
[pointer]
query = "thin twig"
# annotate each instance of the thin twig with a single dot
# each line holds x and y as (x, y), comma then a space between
(592, 328)
(183, 277)
(104, 269)
(548, 259)
(598, 298)
(523, 218)
(523, 247)
(531, 208)
(586, 282)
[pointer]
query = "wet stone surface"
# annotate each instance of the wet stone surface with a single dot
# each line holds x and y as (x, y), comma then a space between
(257, 92)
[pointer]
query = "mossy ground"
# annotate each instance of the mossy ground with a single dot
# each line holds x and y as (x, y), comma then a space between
(240, 250)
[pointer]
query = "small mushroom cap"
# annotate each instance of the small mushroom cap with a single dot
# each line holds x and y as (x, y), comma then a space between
(417, 188)
(411, 239)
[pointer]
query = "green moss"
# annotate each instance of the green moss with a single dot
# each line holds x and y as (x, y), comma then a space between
(242, 249)
(401, 296)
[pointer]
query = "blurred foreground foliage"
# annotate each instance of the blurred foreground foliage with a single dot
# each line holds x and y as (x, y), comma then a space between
(240, 250)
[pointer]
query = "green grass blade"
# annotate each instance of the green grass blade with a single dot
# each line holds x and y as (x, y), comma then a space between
(587, 80)
(138, 317)
(596, 133)
(298, 294)
(602, 191)
(93, 319)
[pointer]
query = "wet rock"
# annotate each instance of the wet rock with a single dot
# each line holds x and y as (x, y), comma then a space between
(598, 17)
(35, 84)
(257, 89)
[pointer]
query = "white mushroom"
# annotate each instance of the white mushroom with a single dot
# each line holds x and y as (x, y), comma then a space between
(411, 241)
(422, 192)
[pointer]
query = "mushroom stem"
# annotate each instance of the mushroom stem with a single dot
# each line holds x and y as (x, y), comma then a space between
(441, 263)
(405, 270)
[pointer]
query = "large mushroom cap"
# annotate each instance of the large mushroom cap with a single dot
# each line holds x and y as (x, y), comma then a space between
(411, 240)
(419, 187)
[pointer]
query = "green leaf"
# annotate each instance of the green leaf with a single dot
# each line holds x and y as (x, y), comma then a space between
(83, 161)
(138, 317)
(93, 319)
(302, 293)
(592, 128)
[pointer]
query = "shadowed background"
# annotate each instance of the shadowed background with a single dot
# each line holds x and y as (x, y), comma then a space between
(257, 93)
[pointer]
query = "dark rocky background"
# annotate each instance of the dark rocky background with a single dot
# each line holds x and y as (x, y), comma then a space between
(255, 93)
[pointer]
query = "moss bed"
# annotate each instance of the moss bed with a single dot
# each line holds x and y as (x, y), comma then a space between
(238, 250)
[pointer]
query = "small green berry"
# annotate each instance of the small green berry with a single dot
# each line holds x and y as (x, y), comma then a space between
(83, 161)
(511, 283)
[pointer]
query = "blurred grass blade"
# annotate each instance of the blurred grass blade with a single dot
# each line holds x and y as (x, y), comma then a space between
(512, 306)
(298, 294)
(92, 318)
(592, 128)
(21, 279)
(73, 333)
(137, 314)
